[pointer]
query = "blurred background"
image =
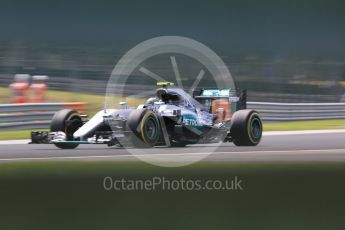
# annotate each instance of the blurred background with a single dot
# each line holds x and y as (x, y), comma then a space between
(281, 51)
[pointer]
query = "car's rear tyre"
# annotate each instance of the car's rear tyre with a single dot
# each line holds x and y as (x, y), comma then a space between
(146, 127)
(67, 121)
(246, 128)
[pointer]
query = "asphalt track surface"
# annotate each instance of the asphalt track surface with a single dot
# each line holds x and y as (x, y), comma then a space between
(275, 147)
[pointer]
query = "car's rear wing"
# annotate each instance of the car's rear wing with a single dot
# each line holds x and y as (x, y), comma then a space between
(239, 97)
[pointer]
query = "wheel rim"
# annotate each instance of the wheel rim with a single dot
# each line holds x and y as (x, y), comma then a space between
(256, 128)
(151, 128)
(72, 126)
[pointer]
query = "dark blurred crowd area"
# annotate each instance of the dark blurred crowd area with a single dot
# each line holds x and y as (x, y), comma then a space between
(287, 51)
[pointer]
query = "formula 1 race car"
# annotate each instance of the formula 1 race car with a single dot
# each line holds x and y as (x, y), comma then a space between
(171, 118)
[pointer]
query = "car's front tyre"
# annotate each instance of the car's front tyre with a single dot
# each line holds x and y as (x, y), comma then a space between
(145, 125)
(67, 121)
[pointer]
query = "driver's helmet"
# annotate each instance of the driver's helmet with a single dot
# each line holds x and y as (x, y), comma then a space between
(151, 100)
(170, 97)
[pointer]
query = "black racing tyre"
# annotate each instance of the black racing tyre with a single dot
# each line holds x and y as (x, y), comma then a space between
(246, 128)
(145, 125)
(67, 121)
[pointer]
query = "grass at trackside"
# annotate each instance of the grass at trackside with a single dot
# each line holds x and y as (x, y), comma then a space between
(16, 134)
(305, 125)
(95, 102)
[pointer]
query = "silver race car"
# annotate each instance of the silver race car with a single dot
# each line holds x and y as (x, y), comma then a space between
(171, 118)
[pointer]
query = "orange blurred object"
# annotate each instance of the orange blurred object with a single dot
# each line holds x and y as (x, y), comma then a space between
(222, 104)
(38, 89)
(20, 88)
(38, 92)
